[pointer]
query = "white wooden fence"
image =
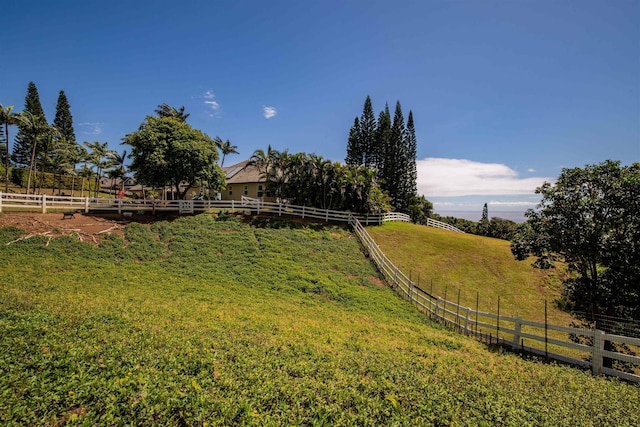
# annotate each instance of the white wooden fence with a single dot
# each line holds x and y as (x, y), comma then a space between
(46, 203)
(541, 339)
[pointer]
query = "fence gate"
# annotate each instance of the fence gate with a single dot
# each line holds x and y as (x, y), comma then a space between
(186, 206)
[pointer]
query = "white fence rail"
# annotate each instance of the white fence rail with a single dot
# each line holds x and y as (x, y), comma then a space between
(542, 339)
(45, 203)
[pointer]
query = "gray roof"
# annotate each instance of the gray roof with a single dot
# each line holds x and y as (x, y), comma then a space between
(243, 172)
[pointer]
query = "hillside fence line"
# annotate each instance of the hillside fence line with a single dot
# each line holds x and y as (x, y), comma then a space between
(46, 203)
(541, 339)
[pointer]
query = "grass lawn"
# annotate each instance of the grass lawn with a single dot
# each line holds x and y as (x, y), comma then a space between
(216, 322)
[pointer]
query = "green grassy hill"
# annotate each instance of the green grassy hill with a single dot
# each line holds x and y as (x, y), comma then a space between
(482, 268)
(215, 322)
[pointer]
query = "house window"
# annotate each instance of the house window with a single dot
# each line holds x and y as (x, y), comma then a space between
(259, 190)
(246, 190)
(230, 191)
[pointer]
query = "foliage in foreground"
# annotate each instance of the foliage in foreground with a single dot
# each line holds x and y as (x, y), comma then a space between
(590, 219)
(205, 322)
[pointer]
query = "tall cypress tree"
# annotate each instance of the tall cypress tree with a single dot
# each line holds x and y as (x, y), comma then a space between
(395, 163)
(368, 133)
(21, 154)
(383, 136)
(64, 120)
(355, 155)
(411, 148)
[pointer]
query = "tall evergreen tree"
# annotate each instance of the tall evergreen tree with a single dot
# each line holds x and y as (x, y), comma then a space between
(64, 121)
(411, 149)
(395, 162)
(22, 147)
(368, 134)
(354, 147)
(383, 136)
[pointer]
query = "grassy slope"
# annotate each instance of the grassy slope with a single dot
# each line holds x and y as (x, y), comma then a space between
(215, 322)
(472, 264)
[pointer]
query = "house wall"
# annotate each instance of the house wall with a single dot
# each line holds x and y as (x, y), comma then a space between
(249, 189)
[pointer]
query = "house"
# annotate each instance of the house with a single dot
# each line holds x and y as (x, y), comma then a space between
(244, 179)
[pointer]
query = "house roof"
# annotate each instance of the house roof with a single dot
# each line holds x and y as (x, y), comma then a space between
(243, 172)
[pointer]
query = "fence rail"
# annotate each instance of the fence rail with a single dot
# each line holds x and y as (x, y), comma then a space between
(45, 203)
(505, 330)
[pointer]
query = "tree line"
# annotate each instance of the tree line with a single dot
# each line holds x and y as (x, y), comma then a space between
(42, 149)
(389, 146)
(310, 180)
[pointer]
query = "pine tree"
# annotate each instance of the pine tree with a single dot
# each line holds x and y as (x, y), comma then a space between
(383, 136)
(21, 154)
(64, 121)
(368, 134)
(483, 225)
(411, 148)
(354, 147)
(395, 164)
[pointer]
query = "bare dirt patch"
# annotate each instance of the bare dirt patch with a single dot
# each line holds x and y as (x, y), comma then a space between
(87, 227)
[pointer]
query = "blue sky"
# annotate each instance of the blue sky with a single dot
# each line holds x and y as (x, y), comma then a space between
(504, 93)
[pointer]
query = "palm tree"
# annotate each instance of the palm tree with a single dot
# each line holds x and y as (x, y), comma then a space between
(33, 128)
(97, 155)
(117, 162)
(165, 110)
(226, 149)
(7, 118)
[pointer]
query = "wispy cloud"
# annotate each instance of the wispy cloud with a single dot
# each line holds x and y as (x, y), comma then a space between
(439, 177)
(269, 112)
(91, 128)
(213, 107)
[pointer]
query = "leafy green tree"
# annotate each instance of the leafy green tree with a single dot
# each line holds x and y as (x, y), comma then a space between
(590, 218)
(8, 118)
(166, 151)
(165, 110)
(420, 209)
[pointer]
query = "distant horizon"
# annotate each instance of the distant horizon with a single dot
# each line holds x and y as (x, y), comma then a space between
(515, 216)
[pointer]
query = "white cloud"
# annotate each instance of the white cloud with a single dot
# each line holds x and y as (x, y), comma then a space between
(532, 170)
(91, 128)
(269, 112)
(213, 105)
(460, 177)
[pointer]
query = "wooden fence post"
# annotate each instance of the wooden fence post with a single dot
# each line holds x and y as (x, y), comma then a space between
(466, 321)
(44, 203)
(598, 350)
(0, 201)
(120, 205)
(437, 306)
(279, 209)
(516, 333)
(86, 204)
